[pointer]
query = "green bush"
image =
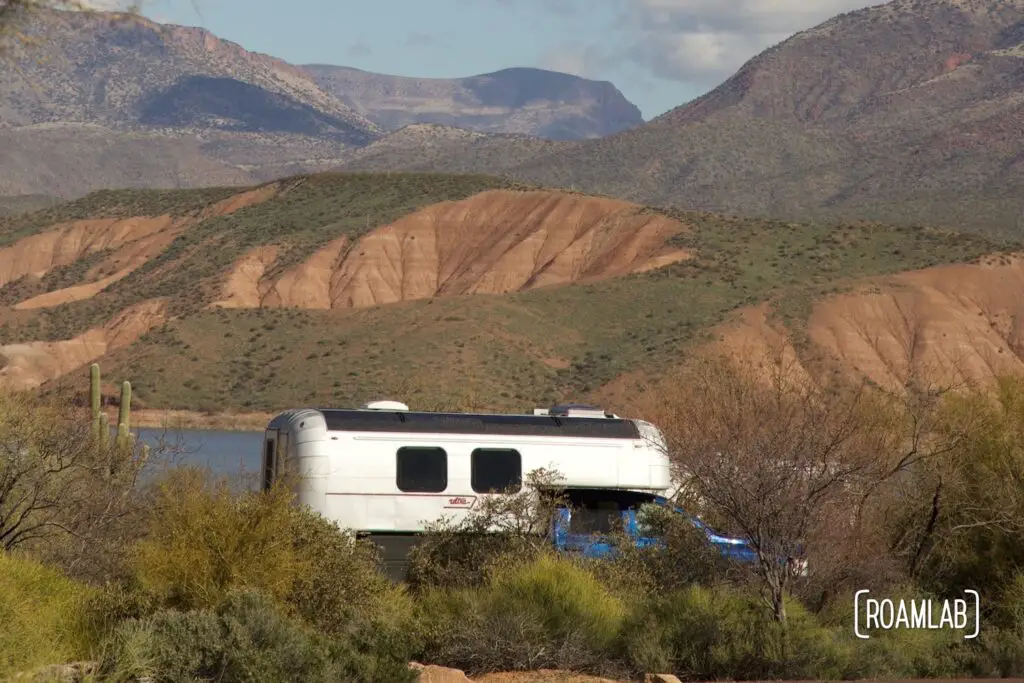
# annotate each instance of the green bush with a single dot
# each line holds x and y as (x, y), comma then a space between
(721, 632)
(245, 640)
(996, 653)
(42, 616)
(898, 653)
(683, 559)
(203, 541)
(339, 575)
(342, 593)
(114, 603)
(460, 553)
(548, 612)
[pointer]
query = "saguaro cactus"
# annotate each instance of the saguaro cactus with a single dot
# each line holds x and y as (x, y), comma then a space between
(124, 411)
(94, 399)
(104, 427)
(124, 414)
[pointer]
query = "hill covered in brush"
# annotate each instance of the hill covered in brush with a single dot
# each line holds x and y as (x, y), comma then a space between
(462, 291)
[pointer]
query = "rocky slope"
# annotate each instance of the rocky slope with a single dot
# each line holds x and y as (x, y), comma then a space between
(522, 101)
(21, 203)
(123, 71)
(908, 113)
(956, 324)
(495, 242)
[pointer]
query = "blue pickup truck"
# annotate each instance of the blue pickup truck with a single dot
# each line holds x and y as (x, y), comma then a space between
(584, 526)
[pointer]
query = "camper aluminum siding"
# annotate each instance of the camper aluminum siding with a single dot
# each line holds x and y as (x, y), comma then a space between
(391, 471)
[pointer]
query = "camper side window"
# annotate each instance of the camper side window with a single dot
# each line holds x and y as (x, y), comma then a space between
(422, 470)
(496, 470)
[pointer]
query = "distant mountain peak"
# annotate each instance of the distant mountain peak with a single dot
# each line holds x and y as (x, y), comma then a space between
(835, 69)
(106, 67)
(517, 100)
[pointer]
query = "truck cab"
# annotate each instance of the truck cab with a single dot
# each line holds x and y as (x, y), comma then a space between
(586, 523)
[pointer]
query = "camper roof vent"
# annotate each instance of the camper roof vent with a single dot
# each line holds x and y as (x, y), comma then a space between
(576, 410)
(385, 405)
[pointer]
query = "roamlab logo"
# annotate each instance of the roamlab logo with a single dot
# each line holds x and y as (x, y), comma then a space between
(873, 614)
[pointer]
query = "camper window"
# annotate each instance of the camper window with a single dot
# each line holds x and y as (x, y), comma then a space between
(422, 470)
(496, 470)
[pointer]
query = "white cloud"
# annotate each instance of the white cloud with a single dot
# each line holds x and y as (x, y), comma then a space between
(586, 61)
(703, 41)
(699, 42)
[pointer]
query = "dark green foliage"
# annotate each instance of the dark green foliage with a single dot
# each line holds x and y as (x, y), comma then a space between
(700, 633)
(320, 592)
(544, 613)
(245, 640)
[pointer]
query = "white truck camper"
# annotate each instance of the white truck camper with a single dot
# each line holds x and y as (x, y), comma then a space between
(385, 471)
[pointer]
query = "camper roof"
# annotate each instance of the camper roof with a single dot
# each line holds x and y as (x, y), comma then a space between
(460, 423)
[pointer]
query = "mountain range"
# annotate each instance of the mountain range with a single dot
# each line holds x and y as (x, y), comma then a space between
(115, 100)
(908, 112)
(534, 102)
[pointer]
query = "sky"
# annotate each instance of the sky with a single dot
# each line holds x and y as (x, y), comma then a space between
(659, 53)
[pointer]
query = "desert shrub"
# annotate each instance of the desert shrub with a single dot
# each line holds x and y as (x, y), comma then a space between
(907, 653)
(458, 553)
(62, 496)
(721, 632)
(246, 639)
(342, 592)
(202, 541)
(963, 516)
(375, 649)
(108, 606)
(42, 616)
(341, 572)
(996, 653)
(898, 653)
(684, 558)
(450, 557)
(547, 612)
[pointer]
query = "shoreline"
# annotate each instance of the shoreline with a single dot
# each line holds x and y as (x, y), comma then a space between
(170, 419)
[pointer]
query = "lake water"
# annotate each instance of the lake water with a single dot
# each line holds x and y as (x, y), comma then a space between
(235, 454)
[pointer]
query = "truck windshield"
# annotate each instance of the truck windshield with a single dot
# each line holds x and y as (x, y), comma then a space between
(600, 510)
